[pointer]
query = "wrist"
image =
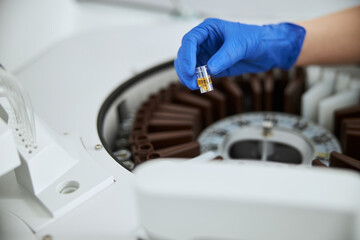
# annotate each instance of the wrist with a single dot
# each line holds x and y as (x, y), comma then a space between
(285, 44)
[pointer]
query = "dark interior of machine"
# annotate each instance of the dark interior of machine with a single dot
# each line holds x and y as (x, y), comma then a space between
(168, 123)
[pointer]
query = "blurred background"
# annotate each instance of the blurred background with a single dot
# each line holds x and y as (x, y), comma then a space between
(30, 28)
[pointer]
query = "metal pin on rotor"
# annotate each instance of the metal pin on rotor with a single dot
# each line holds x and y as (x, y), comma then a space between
(267, 127)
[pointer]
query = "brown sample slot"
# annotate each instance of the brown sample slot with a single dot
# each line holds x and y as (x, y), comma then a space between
(139, 128)
(141, 151)
(341, 114)
(188, 99)
(234, 95)
(136, 159)
(240, 79)
(150, 104)
(140, 124)
(349, 127)
(180, 109)
(133, 149)
(140, 138)
(216, 82)
(279, 87)
(141, 121)
(218, 100)
(158, 125)
(293, 91)
(317, 163)
(166, 139)
(256, 92)
(136, 131)
(348, 124)
(142, 114)
(351, 143)
(186, 150)
(300, 75)
(179, 116)
(165, 94)
(144, 149)
(155, 98)
(268, 91)
(292, 97)
(339, 160)
(244, 85)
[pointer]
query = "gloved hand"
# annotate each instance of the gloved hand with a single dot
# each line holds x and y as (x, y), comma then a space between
(231, 49)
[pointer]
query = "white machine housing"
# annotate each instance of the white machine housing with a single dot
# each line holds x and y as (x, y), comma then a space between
(70, 55)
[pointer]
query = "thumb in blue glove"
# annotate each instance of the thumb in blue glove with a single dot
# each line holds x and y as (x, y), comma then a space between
(231, 49)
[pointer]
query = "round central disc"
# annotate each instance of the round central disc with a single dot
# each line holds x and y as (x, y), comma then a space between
(288, 139)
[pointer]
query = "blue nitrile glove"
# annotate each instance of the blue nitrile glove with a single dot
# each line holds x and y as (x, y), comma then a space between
(231, 49)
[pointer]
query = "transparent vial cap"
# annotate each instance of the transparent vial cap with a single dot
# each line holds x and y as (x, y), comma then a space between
(204, 79)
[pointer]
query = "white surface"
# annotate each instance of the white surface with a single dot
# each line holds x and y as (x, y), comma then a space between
(354, 84)
(311, 98)
(78, 75)
(43, 165)
(70, 56)
(247, 201)
(8, 152)
(275, 10)
(342, 82)
(313, 75)
(58, 163)
(31, 28)
(13, 228)
(205, 157)
(329, 105)
(329, 75)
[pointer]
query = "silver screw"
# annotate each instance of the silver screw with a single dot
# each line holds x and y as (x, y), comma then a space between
(98, 146)
(267, 127)
(47, 237)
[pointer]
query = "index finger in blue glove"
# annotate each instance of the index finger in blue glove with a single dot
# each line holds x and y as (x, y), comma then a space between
(188, 81)
(186, 58)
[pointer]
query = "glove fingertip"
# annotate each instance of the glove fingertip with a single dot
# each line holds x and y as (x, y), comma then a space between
(213, 67)
(192, 84)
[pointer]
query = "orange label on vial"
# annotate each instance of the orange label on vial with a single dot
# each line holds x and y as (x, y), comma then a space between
(204, 84)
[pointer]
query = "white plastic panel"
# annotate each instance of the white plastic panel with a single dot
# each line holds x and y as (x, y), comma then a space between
(13, 228)
(342, 82)
(313, 75)
(246, 201)
(310, 99)
(8, 152)
(354, 84)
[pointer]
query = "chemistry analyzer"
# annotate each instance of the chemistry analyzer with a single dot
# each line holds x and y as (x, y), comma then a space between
(105, 153)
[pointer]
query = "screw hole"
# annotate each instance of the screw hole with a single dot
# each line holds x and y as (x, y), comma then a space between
(142, 137)
(67, 187)
(153, 155)
(145, 147)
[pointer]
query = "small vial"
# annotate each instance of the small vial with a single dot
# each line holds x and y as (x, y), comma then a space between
(203, 79)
